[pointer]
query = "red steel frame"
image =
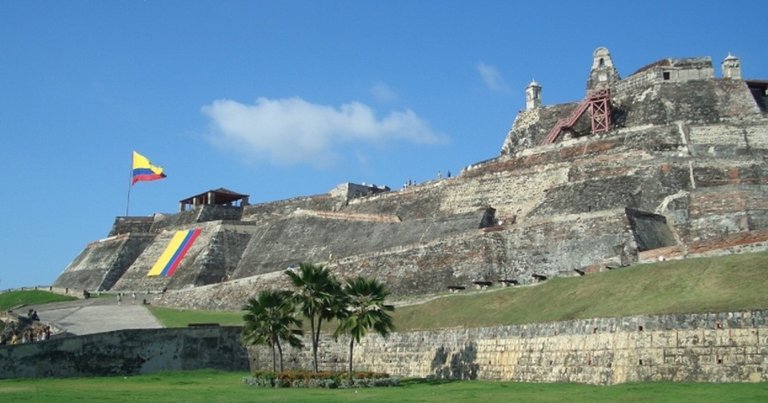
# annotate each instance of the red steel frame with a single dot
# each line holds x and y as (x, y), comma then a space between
(599, 104)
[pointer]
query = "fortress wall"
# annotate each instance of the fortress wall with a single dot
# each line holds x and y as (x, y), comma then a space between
(101, 263)
(358, 217)
(166, 221)
(560, 245)
(722, 347)
(217, 260)
(127, 352)
(131, 225)
(531, 127)
(211, 258)
(511, 193)
(556, 247)
(197, 214)
(416, 202)
(548, 248)
(218, 213)
(308, 238)
(727, 209)
(639, 189)
(640, 104)
(736, 243)
(701, 101)
(282, 208)
(707, 139)
(229, 296)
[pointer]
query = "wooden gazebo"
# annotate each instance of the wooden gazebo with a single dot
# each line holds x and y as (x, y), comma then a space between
(219, 197)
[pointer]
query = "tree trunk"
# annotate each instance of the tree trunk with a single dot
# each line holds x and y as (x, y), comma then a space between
(274, 358)
(314, 343)
(351, 346)
(280, 352)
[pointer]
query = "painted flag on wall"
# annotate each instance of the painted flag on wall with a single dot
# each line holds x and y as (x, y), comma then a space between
(143, 170)
(169, 261)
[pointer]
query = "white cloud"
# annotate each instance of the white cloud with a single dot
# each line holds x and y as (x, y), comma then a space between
(492, 78)
(383, 93)
(294, 131)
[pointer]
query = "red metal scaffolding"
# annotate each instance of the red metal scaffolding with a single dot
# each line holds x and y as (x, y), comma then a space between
(599, 104)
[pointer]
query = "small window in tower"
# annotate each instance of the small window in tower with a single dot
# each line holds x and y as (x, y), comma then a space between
(601, 63)
(665, 75)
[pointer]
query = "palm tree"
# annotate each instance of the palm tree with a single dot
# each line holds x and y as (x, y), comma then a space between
(365, 309)
(269, 318)
(318, 295)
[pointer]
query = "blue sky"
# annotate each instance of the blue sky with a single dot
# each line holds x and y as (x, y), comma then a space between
(278, 99)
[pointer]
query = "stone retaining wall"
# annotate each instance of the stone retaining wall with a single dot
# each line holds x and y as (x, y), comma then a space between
(127, 352)
(722, 347)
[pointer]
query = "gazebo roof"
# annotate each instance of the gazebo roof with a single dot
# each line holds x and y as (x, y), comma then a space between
(221, 196)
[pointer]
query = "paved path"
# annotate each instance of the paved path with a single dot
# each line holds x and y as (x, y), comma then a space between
(95, 315)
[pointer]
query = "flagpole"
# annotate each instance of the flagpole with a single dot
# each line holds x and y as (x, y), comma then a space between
(130, 185)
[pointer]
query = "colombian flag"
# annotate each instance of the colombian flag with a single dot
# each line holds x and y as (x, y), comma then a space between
(169, 261)
(143, 170)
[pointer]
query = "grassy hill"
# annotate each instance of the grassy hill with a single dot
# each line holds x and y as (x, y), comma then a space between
(13, 299)
(719, 284)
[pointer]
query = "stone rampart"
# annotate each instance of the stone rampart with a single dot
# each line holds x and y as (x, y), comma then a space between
(131, 225)
(211, 259)
(722, 347)
(265, 212)
(127, 352)
(519, 252)
(383, 218)
(741, 242)
(102, 263)
(687, 147)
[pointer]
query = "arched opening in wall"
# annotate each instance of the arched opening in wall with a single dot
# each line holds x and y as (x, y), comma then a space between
(649, 230)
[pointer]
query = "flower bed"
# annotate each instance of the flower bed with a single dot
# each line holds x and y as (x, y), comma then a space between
(328, 380)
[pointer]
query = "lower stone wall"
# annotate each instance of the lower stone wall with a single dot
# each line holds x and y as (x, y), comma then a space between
(127, 352)
(722, 347)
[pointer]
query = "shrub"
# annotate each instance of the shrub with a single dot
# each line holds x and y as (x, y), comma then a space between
(323, 379)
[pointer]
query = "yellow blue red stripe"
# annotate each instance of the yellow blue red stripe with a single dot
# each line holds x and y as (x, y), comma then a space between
(143, 170)
(169, 261)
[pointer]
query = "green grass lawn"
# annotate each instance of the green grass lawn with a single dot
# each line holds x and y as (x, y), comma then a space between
(12, 299)
(212, 386)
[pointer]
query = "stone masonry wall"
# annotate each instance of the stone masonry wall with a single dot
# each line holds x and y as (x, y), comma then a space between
(103, 262)
(212, 258)
(722, 347)
(127, 352)
(546, 247)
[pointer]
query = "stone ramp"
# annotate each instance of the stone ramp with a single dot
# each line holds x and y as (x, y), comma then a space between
(96, 315)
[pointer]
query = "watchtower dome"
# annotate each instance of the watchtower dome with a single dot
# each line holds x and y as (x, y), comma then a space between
(731, 67)
(532, 95)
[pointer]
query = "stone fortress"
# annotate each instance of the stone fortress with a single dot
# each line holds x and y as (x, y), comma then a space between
(666, 163)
